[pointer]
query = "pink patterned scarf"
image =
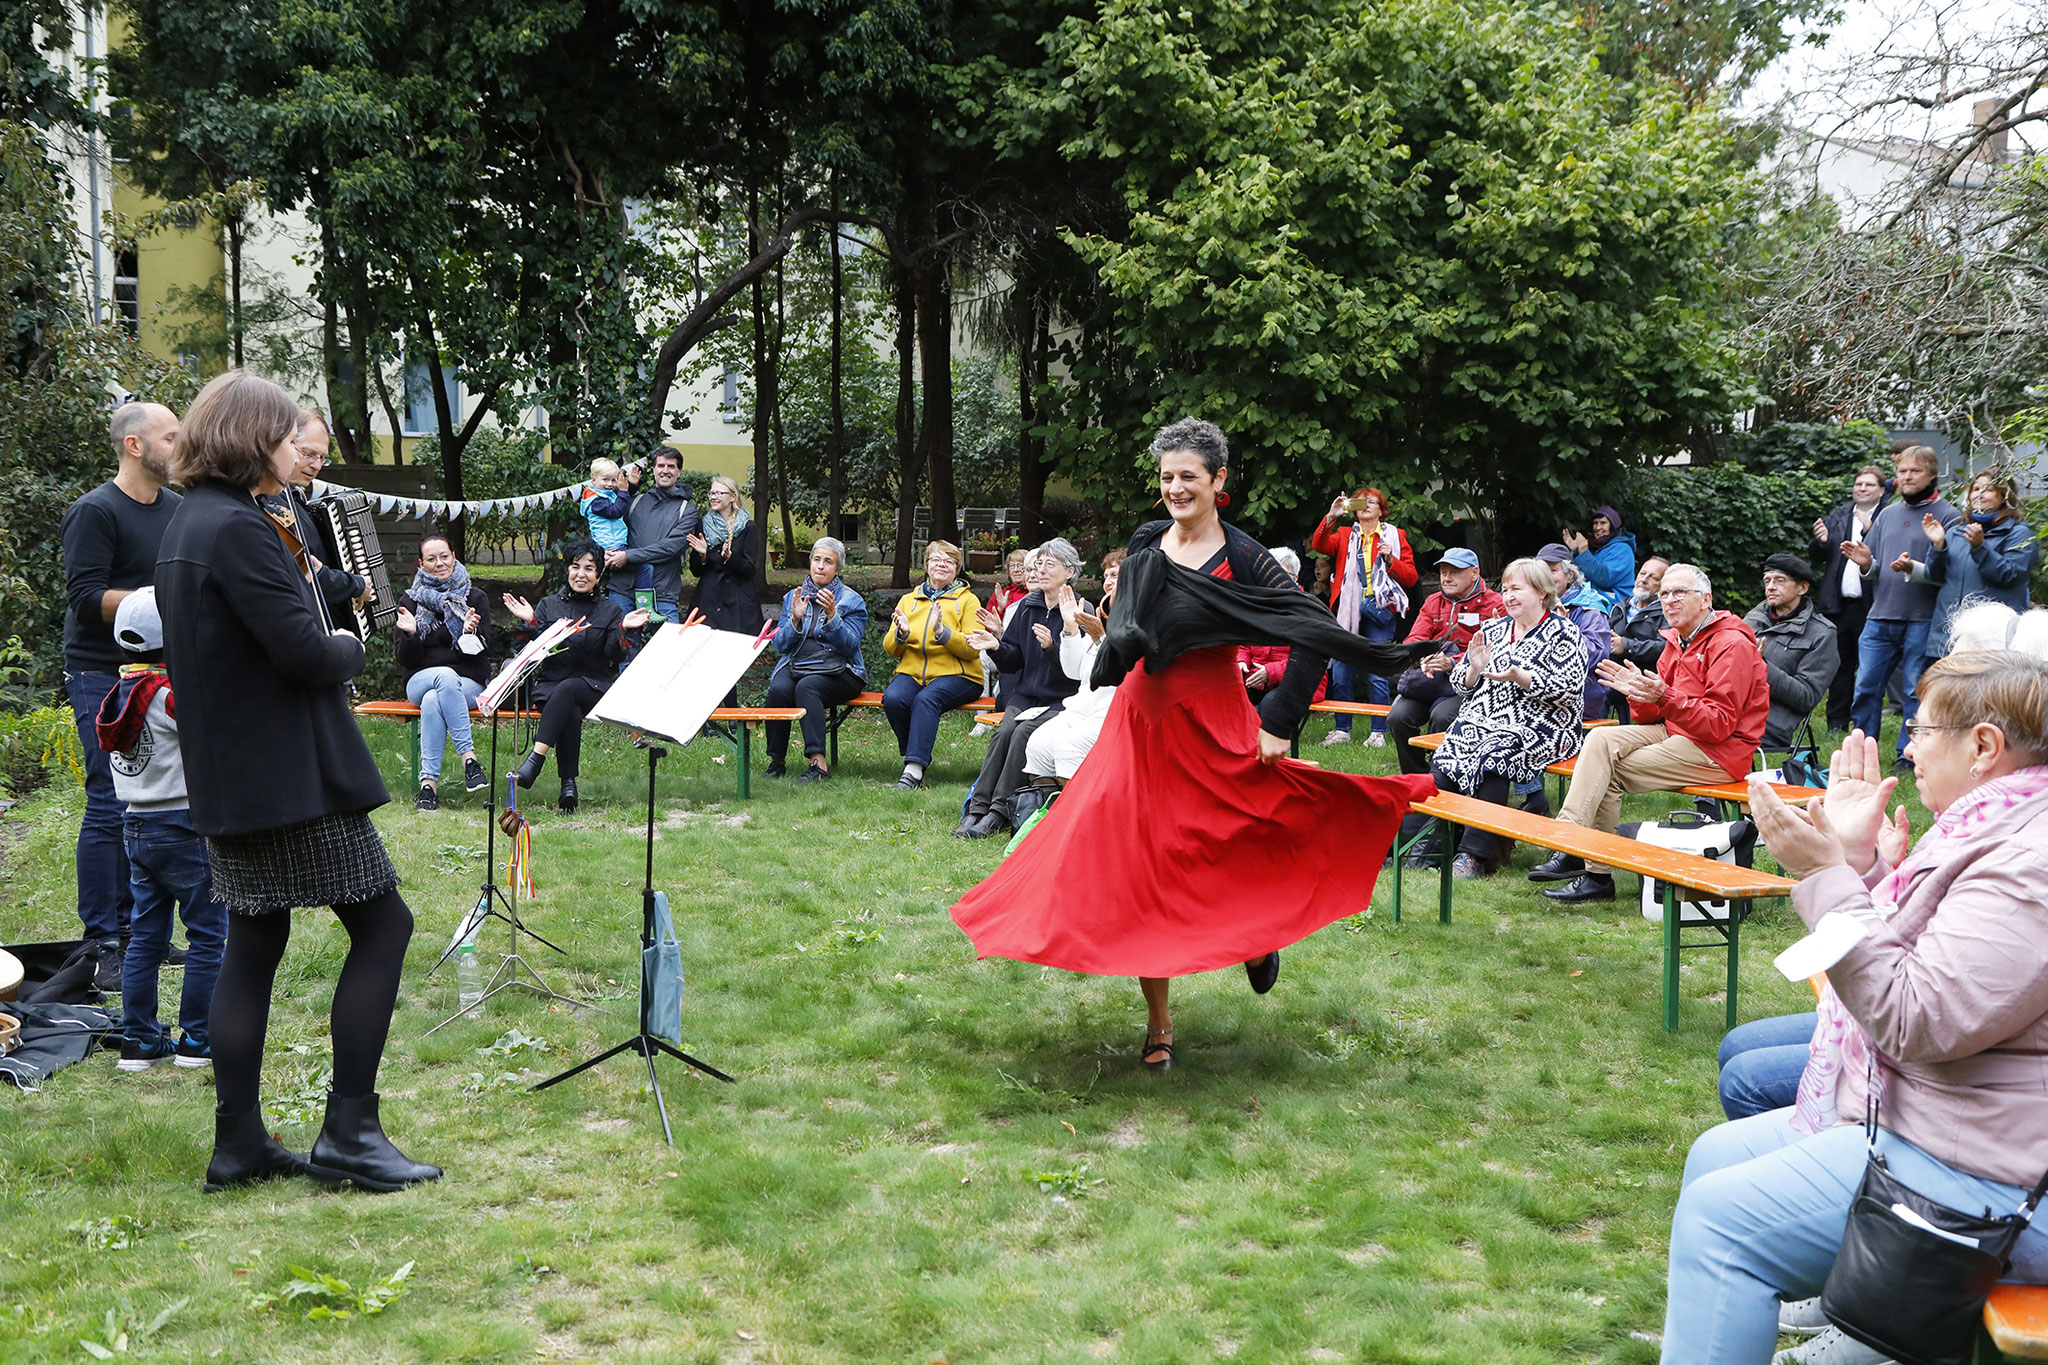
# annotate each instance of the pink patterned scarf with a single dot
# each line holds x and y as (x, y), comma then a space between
(1838, 1058)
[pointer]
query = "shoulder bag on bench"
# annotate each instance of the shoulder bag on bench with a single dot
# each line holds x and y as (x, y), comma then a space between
(1913, 1275)
(1700, 834)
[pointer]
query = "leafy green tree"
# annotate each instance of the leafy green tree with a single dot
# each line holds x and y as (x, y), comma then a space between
(1433, 245)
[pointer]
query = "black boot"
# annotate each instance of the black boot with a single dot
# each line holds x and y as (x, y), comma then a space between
(352, 1149)
(568, 801)
(244, 1152)
(529, 772)
(1263, 971)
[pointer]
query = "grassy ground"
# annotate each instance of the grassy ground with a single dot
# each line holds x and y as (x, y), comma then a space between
(1430, 1143)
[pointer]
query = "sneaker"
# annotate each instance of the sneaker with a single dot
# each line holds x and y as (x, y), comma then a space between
(1375, 740)
(1466, 868)
(1801, 1318)
(813, 773)
(1336, 737)
(775, 768)
(428, 799)
(106, 971)
(191, 1056)
(174, 956)
(142, 1056)
(1832, 1346)
(473, 778)
(909, 782)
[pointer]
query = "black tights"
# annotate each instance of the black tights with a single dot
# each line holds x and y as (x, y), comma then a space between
(561, 723)
(379, 931)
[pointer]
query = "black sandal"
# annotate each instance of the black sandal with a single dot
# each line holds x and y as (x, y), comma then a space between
(1144, 1053)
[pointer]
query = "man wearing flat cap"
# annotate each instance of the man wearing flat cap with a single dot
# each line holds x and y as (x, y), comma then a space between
(1799, 646)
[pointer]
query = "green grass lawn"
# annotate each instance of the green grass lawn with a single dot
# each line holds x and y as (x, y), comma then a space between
(1429, 1143)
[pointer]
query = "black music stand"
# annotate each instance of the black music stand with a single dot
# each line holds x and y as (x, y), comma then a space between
(645, 1043)
(489, 899)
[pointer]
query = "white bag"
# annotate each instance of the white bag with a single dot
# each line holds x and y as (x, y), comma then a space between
(1692, 831)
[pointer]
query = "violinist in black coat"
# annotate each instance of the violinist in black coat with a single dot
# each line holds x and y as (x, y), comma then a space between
(572, 678)
(280, 782)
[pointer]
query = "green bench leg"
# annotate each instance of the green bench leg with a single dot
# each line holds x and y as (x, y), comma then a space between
(1737, 910)
(413, 726)
(1670, 957)
(1443, 871)
(833, 718)
(746, 752)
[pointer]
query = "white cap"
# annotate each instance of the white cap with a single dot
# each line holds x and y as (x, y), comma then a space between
(137, 626)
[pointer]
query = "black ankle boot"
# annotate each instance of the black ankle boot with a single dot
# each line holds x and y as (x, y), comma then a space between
(244, 1152)
(529, 772)
(568, 801)
(352, 1149)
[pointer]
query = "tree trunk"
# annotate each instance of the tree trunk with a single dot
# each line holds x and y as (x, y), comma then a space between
(455, 528)
(758, 428)
(234, 227)
(771, 381)
(907, 463)
(835, 452)
(1031, 349)
(934, 283)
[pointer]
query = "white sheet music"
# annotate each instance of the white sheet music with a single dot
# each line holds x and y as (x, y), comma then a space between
(521, 664)
(678, 680)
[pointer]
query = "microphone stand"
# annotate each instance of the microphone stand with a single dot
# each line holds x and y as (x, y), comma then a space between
(644, 1042)
(489, 899)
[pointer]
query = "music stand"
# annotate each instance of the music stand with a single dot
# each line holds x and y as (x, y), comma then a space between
(489, 899)
(670, 689)
(644, 1042)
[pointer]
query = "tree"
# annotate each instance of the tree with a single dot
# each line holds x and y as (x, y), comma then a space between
(1433, 244)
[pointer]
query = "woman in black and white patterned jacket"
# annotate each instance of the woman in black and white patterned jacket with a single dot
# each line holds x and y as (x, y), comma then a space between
(1522, 679)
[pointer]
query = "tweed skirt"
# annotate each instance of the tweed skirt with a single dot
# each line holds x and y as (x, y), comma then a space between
(329, 860)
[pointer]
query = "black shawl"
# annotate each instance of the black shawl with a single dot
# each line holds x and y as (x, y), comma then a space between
(1164, 610)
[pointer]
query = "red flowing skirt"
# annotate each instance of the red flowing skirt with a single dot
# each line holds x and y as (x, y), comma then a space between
(1175, 850)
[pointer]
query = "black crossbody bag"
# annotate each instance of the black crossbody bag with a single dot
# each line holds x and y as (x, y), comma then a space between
(1914, 1286)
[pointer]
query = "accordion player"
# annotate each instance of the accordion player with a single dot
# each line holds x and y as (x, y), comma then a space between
(342, 519)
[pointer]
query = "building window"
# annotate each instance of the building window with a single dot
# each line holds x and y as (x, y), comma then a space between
(128, 292)
(419, 397)
(729, 396)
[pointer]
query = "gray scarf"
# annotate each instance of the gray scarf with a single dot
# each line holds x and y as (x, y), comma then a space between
(447, 597)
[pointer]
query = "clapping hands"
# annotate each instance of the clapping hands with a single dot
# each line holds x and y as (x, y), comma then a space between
(520, 608)
(1631, 681)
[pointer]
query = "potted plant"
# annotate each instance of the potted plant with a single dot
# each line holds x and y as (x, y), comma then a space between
(983, 551)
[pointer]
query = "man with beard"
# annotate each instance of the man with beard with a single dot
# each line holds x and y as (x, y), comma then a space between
(110, 538)
(1901, 611)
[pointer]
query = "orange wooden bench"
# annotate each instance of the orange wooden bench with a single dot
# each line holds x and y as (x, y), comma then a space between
(2015, 1324)
(1671, 869)
(743, 719)
(1732, 796)
(872, 701)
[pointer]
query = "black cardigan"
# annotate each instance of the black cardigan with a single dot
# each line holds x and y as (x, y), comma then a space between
(1163, 610)
(592, 653)
(268, 737)
(1032, 675)
(725, 585)
(429, 645)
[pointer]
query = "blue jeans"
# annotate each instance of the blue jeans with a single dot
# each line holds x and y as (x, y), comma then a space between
(444, 698)
(102, 862)
(168, 871)
(1883, 646)
(914, 708)
(1344, 678)
(1762, 1061)
(1760, 1218)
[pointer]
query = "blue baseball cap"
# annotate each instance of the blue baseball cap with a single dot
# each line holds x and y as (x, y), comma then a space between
(1460, 558)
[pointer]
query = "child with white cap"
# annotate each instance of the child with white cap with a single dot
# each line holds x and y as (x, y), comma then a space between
(167, 864)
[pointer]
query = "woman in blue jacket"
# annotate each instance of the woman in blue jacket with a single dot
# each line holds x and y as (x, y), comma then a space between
(1994, 560)
(819, 639)
(1607, 558)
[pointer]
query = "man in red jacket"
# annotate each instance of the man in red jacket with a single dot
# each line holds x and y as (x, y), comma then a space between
(1451, 614)
(1697, 719)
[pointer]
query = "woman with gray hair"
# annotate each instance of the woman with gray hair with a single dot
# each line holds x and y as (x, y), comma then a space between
(819, 639)
(1035, 687)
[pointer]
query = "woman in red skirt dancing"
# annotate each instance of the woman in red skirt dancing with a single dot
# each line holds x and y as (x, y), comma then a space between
(1188, 841)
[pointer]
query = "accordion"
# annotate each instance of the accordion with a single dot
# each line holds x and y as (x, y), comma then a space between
(348, 516)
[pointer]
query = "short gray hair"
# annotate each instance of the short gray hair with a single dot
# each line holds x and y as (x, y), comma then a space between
(830, 543)
(1194, 435)
(1286, 559)
(1699, 577)
(1062, 549)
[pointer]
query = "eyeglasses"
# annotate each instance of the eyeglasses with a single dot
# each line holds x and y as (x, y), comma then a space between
(1673, 594)
(1916, 728)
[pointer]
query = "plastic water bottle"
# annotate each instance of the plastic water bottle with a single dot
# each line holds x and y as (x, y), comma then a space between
(469, 980)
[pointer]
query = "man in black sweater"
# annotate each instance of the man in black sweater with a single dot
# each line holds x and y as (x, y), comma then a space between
(110, 538)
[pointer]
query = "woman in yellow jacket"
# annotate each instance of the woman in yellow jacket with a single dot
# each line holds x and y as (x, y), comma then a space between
(936, 669)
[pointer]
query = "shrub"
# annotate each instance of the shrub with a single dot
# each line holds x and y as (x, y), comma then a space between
(1726, 518)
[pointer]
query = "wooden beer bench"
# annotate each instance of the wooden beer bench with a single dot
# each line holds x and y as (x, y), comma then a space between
(1669, 868)
(2015, 1324)
(872, 701)
(742, 719)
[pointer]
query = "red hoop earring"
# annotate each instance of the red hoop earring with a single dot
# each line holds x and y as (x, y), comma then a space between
(1223, 499)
